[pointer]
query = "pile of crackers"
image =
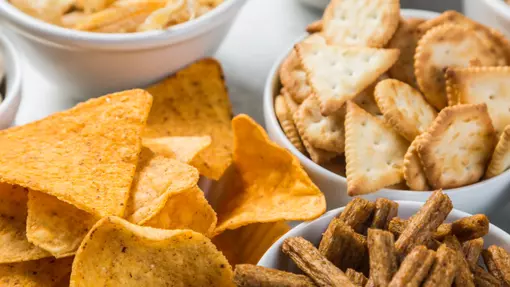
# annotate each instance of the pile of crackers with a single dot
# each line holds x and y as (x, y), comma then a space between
(383, 100)
(368, 245)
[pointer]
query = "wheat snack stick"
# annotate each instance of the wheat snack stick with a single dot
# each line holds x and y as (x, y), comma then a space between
(471, 227)
(314, 27)
(414, 269)
(287, 123)
(442, 231)
(397, 226)
(500, 160)
(357, 278)
(444, 268)
(385, 210)
(291, 103)
(404, 108)
(356, 213)
(456, 148)
(337, 74)
(313, 264)
(382, 256)
(487, 85)
(322, 132)
(369, 137)
(482, 278)
(464, 276)
(497, 261)
(405, 39)
(424, 223)
(364, 23)
(472, 250)
(413, 171)
(446, 46)
(247, 275)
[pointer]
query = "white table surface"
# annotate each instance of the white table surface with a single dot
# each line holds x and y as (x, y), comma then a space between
(262, 31)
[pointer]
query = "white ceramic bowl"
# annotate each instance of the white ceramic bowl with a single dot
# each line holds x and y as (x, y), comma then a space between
(317, 4)
(494, 13)
(91, 64)
(12, 97)
(483, 197)
(312, 231)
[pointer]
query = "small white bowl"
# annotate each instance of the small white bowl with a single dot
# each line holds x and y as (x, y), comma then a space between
(494, 13)
(312, 231)
(86, 64)
(11, 61)
(483, 197)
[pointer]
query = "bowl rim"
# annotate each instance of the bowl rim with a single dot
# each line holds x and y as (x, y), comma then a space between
(415, 205)
(148, 39)
(13, 90)
(271, 120)
(500, 7)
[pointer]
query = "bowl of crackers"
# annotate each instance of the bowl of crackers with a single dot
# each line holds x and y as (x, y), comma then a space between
(387, 243)
(92, 48)
(396, 108)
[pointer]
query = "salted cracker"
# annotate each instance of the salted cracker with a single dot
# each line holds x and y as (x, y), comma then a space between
(366, 99)
(405, 39)
(413, 169)
(291, 104)
(500, 160)
(337, 74)
(448, 45)
(287, 123)
(477, 85)
(317, 155)
(364, 23)
(404, 108)
(367, 137)
(324, 132)
(456, 148)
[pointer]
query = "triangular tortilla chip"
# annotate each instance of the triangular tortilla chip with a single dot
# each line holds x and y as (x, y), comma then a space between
(194, 102)
(36, 273)
(85, 156)
(183, 149)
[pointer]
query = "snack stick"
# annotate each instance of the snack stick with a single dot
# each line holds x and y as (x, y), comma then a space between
(247, 275)
(356, 213)
(442, 231)
(414, 268)
(464, 276)
(382, 256)
(497, 261)
(472, 250)
(357, 278)
(397, 226)
(424, 223)
(444, 269)
(342, 246)
(385, 210)
(313, 264)
(471, 227)
(484, 278)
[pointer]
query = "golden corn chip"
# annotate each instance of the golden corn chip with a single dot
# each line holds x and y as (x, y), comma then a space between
(36, 273)
(194, 102)
(247, 244)
(119, 253)
(56, 226)
(183, 149)
(273, 187)
(14, 246)
(85, 156)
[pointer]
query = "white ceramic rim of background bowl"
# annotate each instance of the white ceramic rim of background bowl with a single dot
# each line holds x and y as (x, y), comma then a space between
(125, 41)
(14, 75)
(269, 258)
(500, 7)
(269, 94)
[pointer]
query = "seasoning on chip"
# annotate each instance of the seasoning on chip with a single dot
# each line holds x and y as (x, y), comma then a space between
(183, 149)
(36, 273)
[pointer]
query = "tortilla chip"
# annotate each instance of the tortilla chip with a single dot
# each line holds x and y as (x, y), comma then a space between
(183, 149)
(273, 187)
(119, 253)
(14, 246)
(247, 244)
(56, 226)
(194, 102)
(85, 156)
(165, 195)
(37, 273)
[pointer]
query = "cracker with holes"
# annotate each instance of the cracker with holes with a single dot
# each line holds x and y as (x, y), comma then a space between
(477, 85)
(404, 108)
(405, 39)
(366, 100)
(445, 46)
(337, 74)
(362, 23)
(323, 132)
(456, 148)
(367, 137)
(500, 160)
(286, 122)
(413, 169)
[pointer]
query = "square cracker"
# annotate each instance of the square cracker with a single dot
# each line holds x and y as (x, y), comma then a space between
(284, 116)
(414, 174)
(337, 74)
(500, 160)
(457, 146)
(364, 23)
(367, 137)
(478, 85)
(404, 108)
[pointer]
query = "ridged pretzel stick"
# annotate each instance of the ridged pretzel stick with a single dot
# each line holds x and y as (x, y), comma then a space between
(247, 275)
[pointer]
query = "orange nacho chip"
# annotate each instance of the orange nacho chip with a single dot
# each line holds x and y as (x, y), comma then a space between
(36, 273)
(183, 149)
(85, 156)
(194, 102)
